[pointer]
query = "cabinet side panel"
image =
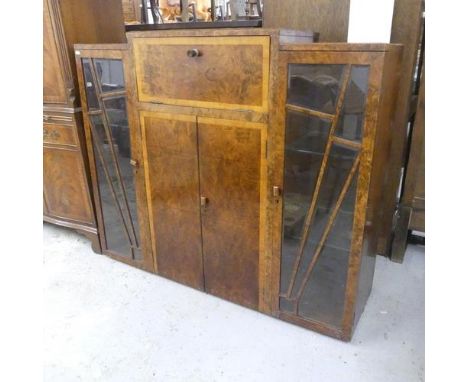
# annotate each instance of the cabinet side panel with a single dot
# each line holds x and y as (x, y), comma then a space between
(385, 71)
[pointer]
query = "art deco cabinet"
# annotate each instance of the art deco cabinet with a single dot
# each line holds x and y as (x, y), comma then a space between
(246, 163)
(66, 188)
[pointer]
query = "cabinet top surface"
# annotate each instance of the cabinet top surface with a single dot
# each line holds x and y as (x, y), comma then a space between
(221, 32)
(341, 47)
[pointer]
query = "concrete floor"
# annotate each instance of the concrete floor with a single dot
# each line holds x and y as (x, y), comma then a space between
(106, 321)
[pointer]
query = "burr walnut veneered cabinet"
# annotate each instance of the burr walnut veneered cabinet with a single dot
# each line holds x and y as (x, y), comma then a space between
(66, 189)
(258, 158)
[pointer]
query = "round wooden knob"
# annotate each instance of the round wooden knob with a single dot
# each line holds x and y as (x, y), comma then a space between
(193, 53)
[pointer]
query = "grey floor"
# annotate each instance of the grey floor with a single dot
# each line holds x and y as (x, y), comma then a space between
(106, 321)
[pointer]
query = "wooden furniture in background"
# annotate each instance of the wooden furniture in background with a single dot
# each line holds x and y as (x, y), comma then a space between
(330, 18)
(66, 193)
(132, 11)
(411, 209)
(407, 28)
(257, 165)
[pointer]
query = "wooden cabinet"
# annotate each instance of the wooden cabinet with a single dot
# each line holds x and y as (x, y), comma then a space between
(67, 192)
(263, 192)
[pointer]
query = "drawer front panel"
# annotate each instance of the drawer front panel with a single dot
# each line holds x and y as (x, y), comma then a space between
(59, 134)
(215, 72)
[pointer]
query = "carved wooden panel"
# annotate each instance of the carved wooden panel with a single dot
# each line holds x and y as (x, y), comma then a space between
(232, 179)
(59, 134)
(65, 187)
(224, 72)
(131, 11)
(54, 83)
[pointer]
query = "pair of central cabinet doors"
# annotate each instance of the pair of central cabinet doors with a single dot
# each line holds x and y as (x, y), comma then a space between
(200, 179)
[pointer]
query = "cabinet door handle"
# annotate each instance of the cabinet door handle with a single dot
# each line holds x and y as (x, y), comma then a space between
(276, 192)
(134, 163)
(193, 53)
(203, 201)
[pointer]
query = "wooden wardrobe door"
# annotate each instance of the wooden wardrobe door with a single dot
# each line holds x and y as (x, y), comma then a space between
(65, 187)
(232, 191)
(54, 86)
(172, 183)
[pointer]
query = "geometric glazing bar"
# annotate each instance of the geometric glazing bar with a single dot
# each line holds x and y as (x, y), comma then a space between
(313, 205)
(327, 229)
(106, 124)
(307, 111)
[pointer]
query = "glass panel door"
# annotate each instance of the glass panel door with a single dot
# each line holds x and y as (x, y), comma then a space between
(324, 124)
(106, 101)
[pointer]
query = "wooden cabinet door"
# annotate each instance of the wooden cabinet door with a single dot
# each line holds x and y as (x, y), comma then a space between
(172, 185)
(206, 188)
(232, 161)
(54, 86)
(65, 187)
(215, 72)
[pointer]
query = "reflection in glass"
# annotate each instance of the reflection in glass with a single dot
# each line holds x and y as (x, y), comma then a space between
(91, 95)
(315, 87)
(313, 283)
(323, 297)
(354, 105)
(110, 192)
(111, 140)
(305, 141)
(110, 74)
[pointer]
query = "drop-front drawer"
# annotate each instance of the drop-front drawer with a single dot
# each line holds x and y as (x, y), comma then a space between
(59, 134)
(214, 72)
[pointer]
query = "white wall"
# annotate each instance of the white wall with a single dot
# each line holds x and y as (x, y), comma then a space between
(370, 20)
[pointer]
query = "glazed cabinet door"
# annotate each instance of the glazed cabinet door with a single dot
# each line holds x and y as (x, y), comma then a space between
(111, 145)
(324, 128)
(172, 183)
(232, 161)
